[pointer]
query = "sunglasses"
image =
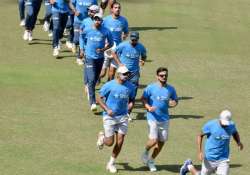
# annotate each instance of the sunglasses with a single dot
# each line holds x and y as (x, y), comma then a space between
(126, 74)
(162, 75)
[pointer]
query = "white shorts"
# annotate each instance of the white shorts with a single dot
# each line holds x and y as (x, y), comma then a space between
(158, 130)
(112, 125)
(218, 167)
(106, 62)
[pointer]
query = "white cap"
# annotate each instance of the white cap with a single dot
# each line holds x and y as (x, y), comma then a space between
(94, 8)
(122, 70)
(99, 15)
(225, 117)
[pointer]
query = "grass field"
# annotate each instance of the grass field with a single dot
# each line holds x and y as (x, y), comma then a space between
(46, 127)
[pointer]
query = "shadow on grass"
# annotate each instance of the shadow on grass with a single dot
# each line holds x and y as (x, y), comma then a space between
(64, 56)
(142, 116)
(42, 43)
(175, 168)
(185, 98)
(152, 28)
(142, 86)
(40, 39)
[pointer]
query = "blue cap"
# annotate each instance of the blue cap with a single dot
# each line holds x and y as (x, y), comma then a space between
(134, 35)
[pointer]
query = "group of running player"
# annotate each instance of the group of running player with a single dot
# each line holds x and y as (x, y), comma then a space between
(100, 44)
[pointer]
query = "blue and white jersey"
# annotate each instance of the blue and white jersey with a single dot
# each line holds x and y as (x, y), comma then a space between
(95, 39)
(117, 26)
(218, 140)
(60, 6)
(117, 96)
(87, 23)
(46, 2)
(82, 8)
(159, 97)
(130, 56)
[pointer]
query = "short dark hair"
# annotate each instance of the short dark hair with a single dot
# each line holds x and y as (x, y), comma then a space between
(114, 3)
(161, 69)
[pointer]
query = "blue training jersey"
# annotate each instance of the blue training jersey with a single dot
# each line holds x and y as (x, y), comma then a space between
(117, 96)
(218, 140)
(60, 6)
(117, 26)
(82, 8)
(95, 39)
(159, 97)
(86, 24)
(130, 56)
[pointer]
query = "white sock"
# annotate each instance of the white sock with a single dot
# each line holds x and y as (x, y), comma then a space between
(112, 160)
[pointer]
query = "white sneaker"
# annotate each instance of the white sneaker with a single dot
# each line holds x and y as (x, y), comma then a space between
(100, 140)
(93, 107)
(69, 44)
(111, 168)
(73, 48)
(22, 23)
(79, 61)
(59, 47)
(46, 26)
(55, 52)
(50, 34)
(144, 157)
(26, 35)
(30, 38)
(151, 165)
(130, 119)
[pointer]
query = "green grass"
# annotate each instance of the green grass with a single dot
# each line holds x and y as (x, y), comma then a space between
(46, 127)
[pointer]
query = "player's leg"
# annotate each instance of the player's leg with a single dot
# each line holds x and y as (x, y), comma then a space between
(106, 137)
(21, 6)
(223, 168)
(151, 142)
(162, 138)
(121, 131)
(207, 167)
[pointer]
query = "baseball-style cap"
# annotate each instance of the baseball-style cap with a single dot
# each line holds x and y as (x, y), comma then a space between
(225, 117)
(98, 15)
(134, 35)
(94, 8)
(122, 70)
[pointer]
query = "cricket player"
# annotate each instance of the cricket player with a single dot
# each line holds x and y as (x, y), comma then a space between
(118, 25)
(158, 97)
(94, 40)
(215, 158)
(116, 99)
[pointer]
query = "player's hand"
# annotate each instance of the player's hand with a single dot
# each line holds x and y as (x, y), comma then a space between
(240, 146)
(52, 1)
(109, 112)
(200, 156)
(76, 13)
(151, 108)
(172, 103)
(142, 63)
(99, 50)
(81, 55)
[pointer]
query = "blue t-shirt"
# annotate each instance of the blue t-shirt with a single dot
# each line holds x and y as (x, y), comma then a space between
(129, 55)
(95, 39)
(218, 140)
(117, 96)
(87, 23)
(82, 8)
(159, 97)
(117, 26)
(60, 6)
